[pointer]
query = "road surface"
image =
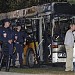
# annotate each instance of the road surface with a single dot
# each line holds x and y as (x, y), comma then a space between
(10, 73)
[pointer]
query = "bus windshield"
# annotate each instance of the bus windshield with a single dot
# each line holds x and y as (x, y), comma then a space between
(59, 30)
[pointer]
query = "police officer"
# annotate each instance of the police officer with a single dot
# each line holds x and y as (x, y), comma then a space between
(19, 39)
(6, 36)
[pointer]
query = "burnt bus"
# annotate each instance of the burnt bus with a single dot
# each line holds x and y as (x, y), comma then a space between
(46, 31)
(61, 14)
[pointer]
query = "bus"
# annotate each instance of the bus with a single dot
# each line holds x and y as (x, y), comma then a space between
(46, 26)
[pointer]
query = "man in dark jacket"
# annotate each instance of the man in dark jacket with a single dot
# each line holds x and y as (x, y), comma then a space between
(6, 36)
(19, 38)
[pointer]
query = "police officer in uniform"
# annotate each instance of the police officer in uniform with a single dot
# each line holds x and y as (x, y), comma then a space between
(6, 36)
(19, 38)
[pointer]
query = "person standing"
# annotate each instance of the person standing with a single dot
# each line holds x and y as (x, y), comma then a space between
(69, 44)
(6, 36)
(19, 38)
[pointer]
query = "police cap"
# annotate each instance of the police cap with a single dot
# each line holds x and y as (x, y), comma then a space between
(6, 20)
(18, 24)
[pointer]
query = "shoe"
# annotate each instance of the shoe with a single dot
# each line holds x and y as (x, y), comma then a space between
(14, 66)
(21, 66)
(67, 70)
(7, 69)
(72, 70)
(0, 68)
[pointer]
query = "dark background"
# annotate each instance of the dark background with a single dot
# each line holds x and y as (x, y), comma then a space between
(11, 5)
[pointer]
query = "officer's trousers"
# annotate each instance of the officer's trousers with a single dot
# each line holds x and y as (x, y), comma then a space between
(7, 50)
(19, 49)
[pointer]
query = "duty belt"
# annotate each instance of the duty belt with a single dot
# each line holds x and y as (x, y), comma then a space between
(19, 42)
(5, 43)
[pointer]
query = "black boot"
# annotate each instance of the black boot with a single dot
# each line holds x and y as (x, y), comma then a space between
(21, 65)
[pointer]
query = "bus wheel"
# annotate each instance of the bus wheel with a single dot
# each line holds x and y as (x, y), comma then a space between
(30, 60)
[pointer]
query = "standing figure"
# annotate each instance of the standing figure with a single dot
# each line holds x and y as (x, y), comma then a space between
(19, 38)
(69, 44)
(6, 36)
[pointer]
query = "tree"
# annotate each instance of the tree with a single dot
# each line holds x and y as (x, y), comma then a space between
(4, 6)
(10, 5)
(71, 1)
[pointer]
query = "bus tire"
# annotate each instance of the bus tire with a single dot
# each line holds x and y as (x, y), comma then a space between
(30, 61)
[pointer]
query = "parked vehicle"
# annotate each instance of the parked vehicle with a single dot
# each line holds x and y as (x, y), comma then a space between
(46, 26)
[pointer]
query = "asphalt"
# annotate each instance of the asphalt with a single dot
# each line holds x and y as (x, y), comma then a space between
(10, 73)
